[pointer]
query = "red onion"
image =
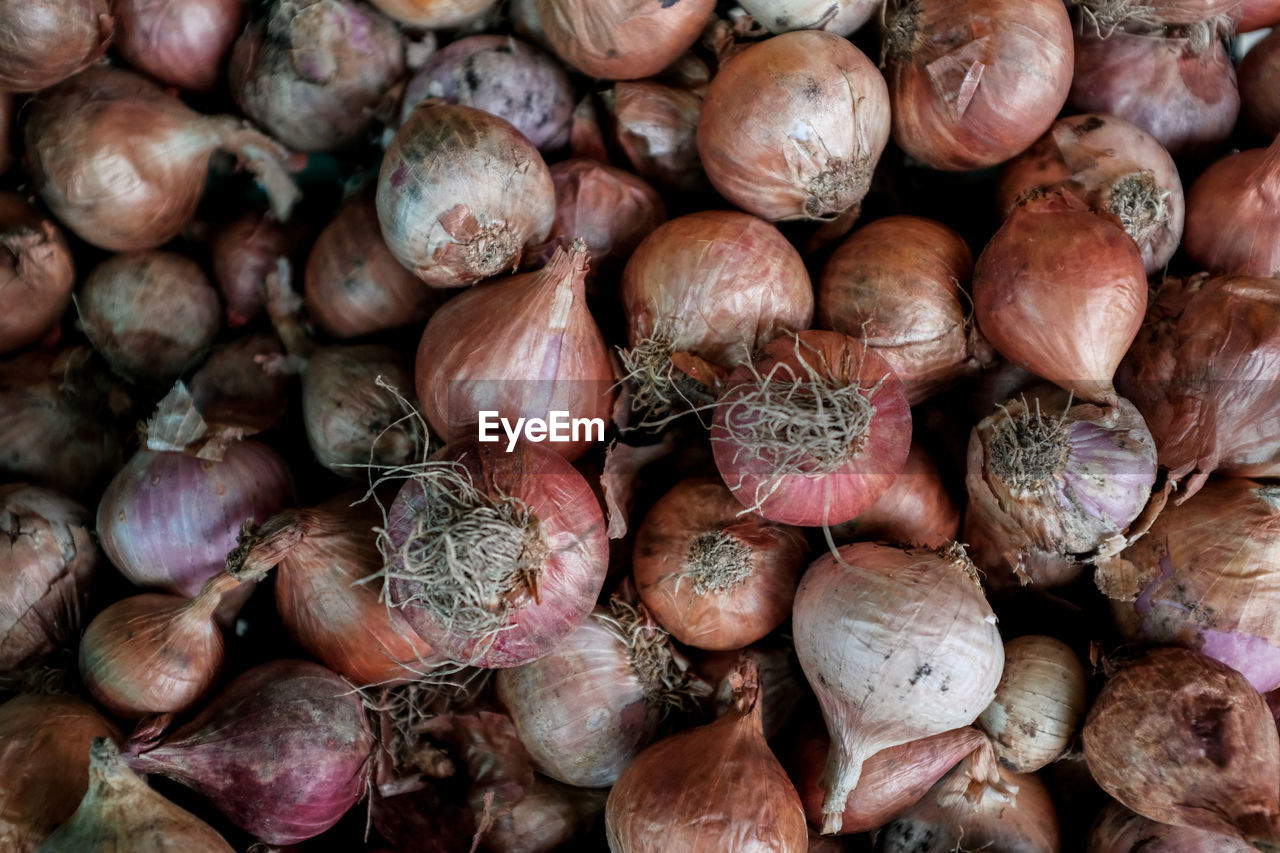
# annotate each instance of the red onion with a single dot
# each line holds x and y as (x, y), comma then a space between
(168, 520)
(434, 14)
(841, 17)
(36, 272)
(622, 39)
(282, 751)
(656, 127)
(461, 194)
(312, 71)
(814, 432)
(1233, 224)
(1114, 167)
(43, 42)
(495, 557)
(179, 42)
(819, 117)
(244, 252)
(1256, 14)
(917, 509)
(881, 681)
(974, 83)
(1118, 830)
(1259, 77)
(123, 164)
(1179, 86)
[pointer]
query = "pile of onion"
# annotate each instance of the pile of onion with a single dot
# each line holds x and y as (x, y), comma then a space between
(182, 44)
(1233, 224)
(43, 42)
(622, 39)
(36, 272)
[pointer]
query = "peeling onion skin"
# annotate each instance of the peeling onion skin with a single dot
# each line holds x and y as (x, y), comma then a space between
(183, 43)
(37, 272)
(842, 17)
(43, 42)
(1023, 54)
(1233, 222)
(792, 127)
(461, 194)
(434, 14)
(1184, 740)
(622, 39)
(1118, 830)
(1259, 78)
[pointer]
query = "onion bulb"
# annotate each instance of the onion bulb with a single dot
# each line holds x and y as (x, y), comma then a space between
(36, 272)
(1256, 14)
(841, 17)
(1233, 223)
(881, 681)
(1259, 78)
(1118, 830)
(43, 42)
(434, 14)
(182, 43)
(622, 39)
(818, 113)
(1111, 14)
(243, 253)
(917, 509)
(656, 126)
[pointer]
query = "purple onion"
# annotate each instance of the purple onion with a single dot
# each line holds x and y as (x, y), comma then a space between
(282, 751)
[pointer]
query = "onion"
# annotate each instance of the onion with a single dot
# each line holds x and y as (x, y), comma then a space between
(281, 751)
(244, 252)
(44, 751)
(782, 687)
(585, 710)
(622, 39)
(353, 285)
(656, 127)
(715, 577)
(814, 433)
(181, 43)
(6, 131)
(43, 42)
(1118, 830)
(553, 359)
(461, 194)
(168, 520)
(1259, 78)
(899, 284)
(311, 72)
(715, 787)
(151, 314)
(1178, 86)
(1110, 14)
(972, 84)
(881, 681)
(1114, 167)
(502, 76)
(1233, 225)
(1061, 291)
(1256, 14)
(841, 17)
(916, 510)
(36, 271)
(818, 113)
(123, 164)
(1207, 576)
(1183, 739)
(120, 812)
(434, 14)
(703, 292)
(495, 557)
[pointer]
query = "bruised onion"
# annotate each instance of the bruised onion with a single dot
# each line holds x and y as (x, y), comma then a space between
(656, 126)
(917, 509)
(36, 272)
(841, 17)
(972, 84)
(1259, 79)
(495, 556)
(881, 681)
(1061, 291)
(281, 751)
(461, 194)
(1233, 224)
(434, 14)
(43, 42)
(243, 253)
(1118, 830)
(311, 72)
(818, 117)
(712, 575)
(814, 432)
(622, 39)
(182, 43)
(553, 366)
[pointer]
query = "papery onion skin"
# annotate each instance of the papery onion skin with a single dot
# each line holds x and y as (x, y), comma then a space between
(1115, 167)
(434, 14)
(860, 604)
(37, 271)
(1154, 13)
(899, 283)
(712, 575)
(169, 520)
(973, 84)
(1118, 830)
(793, 127)
(917, 509)
(461, 194)
(44, 742)
(242, 254)
(1233, 225)
(281, 751)
(43, 42)
(179, 42)
(841, 18)
(622, 39)
(1259, 79)
(311, 71)
(656, 126)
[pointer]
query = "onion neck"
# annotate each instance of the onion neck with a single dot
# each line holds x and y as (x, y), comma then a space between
(262, 549)
(200, 610)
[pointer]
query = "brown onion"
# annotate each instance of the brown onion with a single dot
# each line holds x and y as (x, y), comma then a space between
(656, 126)
(1233, 223)
(818, 113)
(553, 361)
(881, 681)
(1118, 830)
(1061, 291)
(917, 509)
(841, 17)
(899, 284)
(123, 164)
(1179, 86)
(1256, 14)
(36, 272)
(1259, 78)
(434, 14)
(461, 194)
(311, 72)
(43, 42)
(715, 787)
(179, 42)
(1114, 167)
(712, 575)
(972, 84)
(781, 682)
(1185, 740)
(243, 253)
(150, 314)
(622, 39)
